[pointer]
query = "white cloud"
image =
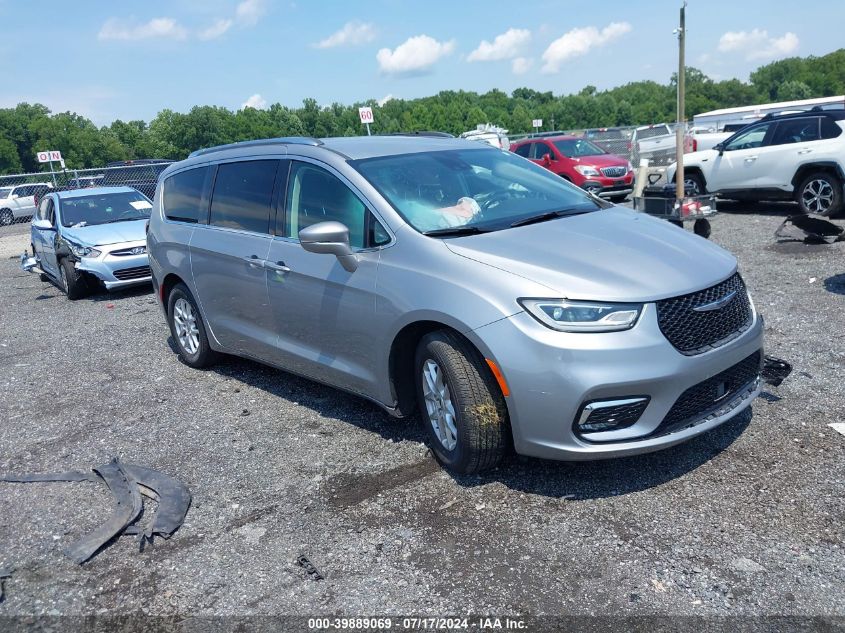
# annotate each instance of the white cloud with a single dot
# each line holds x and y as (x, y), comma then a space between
(756, 44)
(504, 46)
(215, 30)
(166, 28)
(521, 65)
(249, 12)
(352, 33)
(255, 101)
(578, 42)
(385, 99)
(415, 55)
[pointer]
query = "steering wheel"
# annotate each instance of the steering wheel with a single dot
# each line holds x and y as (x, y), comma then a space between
(493, 199)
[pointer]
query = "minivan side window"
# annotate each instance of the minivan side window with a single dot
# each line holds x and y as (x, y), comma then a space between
(314, 195)
(522, 150)
(243, 193)
(182, 197)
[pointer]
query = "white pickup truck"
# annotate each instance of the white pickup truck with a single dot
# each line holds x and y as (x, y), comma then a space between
(18, 201)
(654, 142)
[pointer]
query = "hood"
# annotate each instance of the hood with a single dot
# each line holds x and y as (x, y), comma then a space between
(602, 160)
(607, 255)
(104, 234)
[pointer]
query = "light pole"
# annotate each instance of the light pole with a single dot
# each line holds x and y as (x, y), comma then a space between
(680, 130)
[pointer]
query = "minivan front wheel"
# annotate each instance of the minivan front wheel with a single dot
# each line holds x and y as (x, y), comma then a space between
(188, 330)
(460, 404)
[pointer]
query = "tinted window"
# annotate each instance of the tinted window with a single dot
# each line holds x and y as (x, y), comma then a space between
(314, 195)
(829, 128)
(242, 195)
(182, 195)
(522, 150)
(796, 131)
(24, 191)
(749, 139)
(538, 150)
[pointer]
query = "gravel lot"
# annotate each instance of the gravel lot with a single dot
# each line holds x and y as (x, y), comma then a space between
(747, 520)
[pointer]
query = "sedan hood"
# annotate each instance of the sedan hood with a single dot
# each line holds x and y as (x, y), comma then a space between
(104, 234)
(608, 255)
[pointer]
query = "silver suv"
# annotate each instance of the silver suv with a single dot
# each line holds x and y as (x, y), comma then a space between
(507, 306)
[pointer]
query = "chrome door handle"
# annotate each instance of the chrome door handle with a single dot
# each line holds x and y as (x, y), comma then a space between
(750, 159)
(254, 261)
(804, 151)
(277, 266)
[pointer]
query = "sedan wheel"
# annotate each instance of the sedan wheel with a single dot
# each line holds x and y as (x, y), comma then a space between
(438, 405)
(6, 217)
(185, 321)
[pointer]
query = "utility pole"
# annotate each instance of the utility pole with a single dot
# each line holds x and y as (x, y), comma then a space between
(680, 131)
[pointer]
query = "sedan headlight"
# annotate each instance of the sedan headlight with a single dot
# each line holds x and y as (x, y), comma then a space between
(583, 316)
(586, 170)
(83, 251)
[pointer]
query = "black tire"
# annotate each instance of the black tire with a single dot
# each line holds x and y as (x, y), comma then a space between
(481, 416)
(820, 193)
(203, 356)
(6, 217)
(72, 281)
(702, 228)
(694, 185)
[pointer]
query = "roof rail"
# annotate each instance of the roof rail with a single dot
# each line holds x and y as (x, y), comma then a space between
(284, 140)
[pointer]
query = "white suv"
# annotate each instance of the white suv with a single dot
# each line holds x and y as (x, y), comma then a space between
(18, 201)
(798, 156)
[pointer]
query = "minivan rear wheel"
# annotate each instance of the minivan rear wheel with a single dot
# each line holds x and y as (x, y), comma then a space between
(188, 329)
(460, 404)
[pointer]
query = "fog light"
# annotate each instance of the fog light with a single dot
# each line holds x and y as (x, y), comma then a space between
(600, 416)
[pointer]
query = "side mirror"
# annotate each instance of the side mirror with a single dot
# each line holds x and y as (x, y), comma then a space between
(330, 238)
(14, 196)
(719, 147)
(547, 159)
(43, 225)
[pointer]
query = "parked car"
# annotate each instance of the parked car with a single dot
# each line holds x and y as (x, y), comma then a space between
(798, 156)
(611, 140)
(87, 237)
(490, 134)
(17, 202)
(582, 163)
(508, 307)
(657, 143)
(139, 174)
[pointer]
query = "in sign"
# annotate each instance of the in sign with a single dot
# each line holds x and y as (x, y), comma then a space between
(366, 114)
(49, 156)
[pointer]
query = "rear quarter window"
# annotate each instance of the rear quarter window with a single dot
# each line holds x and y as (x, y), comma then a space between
(182, 195)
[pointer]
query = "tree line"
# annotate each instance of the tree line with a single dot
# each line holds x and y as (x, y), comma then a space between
(28, 128)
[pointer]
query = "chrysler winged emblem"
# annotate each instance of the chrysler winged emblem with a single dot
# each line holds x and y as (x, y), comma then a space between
(718, 304)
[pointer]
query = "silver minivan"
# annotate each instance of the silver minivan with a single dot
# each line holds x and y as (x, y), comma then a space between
(507, 307)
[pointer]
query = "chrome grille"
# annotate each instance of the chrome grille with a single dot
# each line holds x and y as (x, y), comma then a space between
(693, 331)
(614, 172)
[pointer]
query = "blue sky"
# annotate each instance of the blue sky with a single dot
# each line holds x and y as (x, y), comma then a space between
(128, 60)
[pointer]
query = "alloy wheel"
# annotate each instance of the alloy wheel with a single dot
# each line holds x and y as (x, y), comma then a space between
(691, 187)
(185, 320)
(817, 196)
(6, 218)
(438, 405)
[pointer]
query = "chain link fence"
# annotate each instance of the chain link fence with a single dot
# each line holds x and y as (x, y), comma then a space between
(21, 193)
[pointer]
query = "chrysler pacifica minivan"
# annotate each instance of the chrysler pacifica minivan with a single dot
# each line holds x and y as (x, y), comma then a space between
(509, 308)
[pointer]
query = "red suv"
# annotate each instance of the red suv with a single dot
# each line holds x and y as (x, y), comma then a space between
(581, 162)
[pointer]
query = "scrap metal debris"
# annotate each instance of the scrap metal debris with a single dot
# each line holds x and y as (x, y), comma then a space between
(775, 370)
(308, 566)
(127, 483)
(5, 572)
(810, 228)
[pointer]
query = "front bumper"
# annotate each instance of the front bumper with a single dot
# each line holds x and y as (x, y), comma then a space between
(609, 187)
(552, 374)
(115, 270)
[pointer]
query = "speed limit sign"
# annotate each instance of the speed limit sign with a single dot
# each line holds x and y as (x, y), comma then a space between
(366, 114)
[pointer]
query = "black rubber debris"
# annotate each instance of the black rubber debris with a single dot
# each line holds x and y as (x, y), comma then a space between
(775, 370)
(5, 572)
(308, 566)
(810, 228)
(127, 483)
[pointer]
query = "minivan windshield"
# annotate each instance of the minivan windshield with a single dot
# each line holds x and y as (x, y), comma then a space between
(105, 208)
(471, 190)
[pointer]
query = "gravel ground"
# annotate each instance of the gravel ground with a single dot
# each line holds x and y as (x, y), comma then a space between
(746, 520)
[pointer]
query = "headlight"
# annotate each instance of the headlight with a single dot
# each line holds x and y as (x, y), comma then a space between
(83, 251)
(583, 316)
(586, 170)
(630, 166)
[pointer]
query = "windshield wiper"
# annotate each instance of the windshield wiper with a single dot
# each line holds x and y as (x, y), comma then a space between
(455, 231)
(121, 220)
(548, 215)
